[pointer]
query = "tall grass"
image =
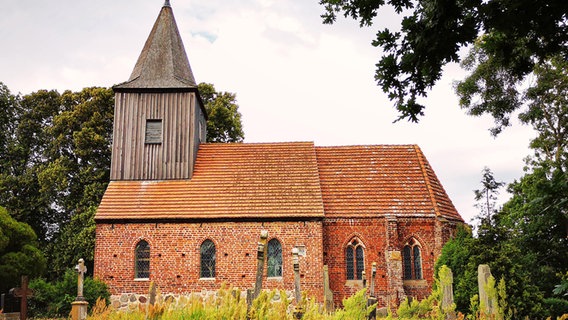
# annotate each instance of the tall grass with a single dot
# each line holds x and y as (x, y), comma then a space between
(228, 304)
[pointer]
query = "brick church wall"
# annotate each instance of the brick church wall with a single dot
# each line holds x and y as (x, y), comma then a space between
(423, 230)
(175, 255)
(372, 232)
(337, 233)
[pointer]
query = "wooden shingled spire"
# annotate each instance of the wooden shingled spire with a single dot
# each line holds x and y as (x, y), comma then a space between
(163, 62)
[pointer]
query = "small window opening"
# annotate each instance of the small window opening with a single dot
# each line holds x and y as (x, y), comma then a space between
(153, 131)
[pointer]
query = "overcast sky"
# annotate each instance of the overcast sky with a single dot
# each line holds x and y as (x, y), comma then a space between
(295, 78)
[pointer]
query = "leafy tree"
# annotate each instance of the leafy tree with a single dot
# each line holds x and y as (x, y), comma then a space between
(75, 240)
(224, 120)
(491, 90)
(515, 34)
(25, 153)
(19, 254)
(79, 151)
(547, 113)
(8, 104)
(486, 197)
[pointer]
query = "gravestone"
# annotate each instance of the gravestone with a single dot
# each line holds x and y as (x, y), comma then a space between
(9, 304)
(446, 283)
(371, 299)
(487, 303)
(298, 312)
(260, 258)
(152, 293)
(79, 306)
(327, 293)
(23, 292)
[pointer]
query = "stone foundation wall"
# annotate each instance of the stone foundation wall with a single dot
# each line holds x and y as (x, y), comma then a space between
(134, 301)
(10, 316)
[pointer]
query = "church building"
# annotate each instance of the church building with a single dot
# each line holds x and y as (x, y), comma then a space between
(187, 215)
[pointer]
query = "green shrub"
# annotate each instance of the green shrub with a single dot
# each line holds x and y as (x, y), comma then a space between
(354, 307)
(53, 299)
(556, 307)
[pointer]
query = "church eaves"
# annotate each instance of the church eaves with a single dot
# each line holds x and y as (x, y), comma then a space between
(163, 63)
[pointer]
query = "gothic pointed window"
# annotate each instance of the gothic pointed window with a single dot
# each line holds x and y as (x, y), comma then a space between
(274, 258)
(207, 252)
(142, 260)
(354, 260)
(412, 260)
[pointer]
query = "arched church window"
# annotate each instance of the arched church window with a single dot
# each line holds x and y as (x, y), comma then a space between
(142, 260)
(354, 260)
(207, 252)
(274, 258)
(412, 260)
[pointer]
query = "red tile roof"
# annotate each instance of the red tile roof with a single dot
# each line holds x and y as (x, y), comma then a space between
(230, 180)
(366, 181)
(287, 180)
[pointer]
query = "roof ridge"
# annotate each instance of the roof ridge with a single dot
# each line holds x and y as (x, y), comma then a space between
(368, 145)
(258, 143)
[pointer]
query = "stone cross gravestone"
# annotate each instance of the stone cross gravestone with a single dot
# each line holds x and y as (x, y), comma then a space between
(23, 292)
(81, 270)
(79, 306)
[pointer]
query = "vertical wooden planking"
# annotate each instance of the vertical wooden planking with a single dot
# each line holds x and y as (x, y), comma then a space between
(132, 158)
(191, 133)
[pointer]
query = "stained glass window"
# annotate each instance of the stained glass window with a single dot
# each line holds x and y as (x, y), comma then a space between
(412, 260)
(274, 258)
(349, 263)
(417, 263)
(354, 260)
(407, 261)
(207, 259)
(142, 260)
(359, 262)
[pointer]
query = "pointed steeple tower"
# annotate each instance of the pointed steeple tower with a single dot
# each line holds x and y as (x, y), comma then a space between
(163, 62)
(159, 117)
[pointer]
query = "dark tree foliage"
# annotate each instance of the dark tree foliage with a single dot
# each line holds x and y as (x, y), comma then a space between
(537, 216)
(25, 154)
(56, 167)
(223, 116)
(494, 247)
(516, 35)
(19, 253)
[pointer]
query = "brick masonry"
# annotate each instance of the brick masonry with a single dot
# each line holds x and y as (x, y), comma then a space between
(175, 257)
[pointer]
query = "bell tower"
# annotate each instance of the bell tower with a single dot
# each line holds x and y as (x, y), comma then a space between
(159, 118)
